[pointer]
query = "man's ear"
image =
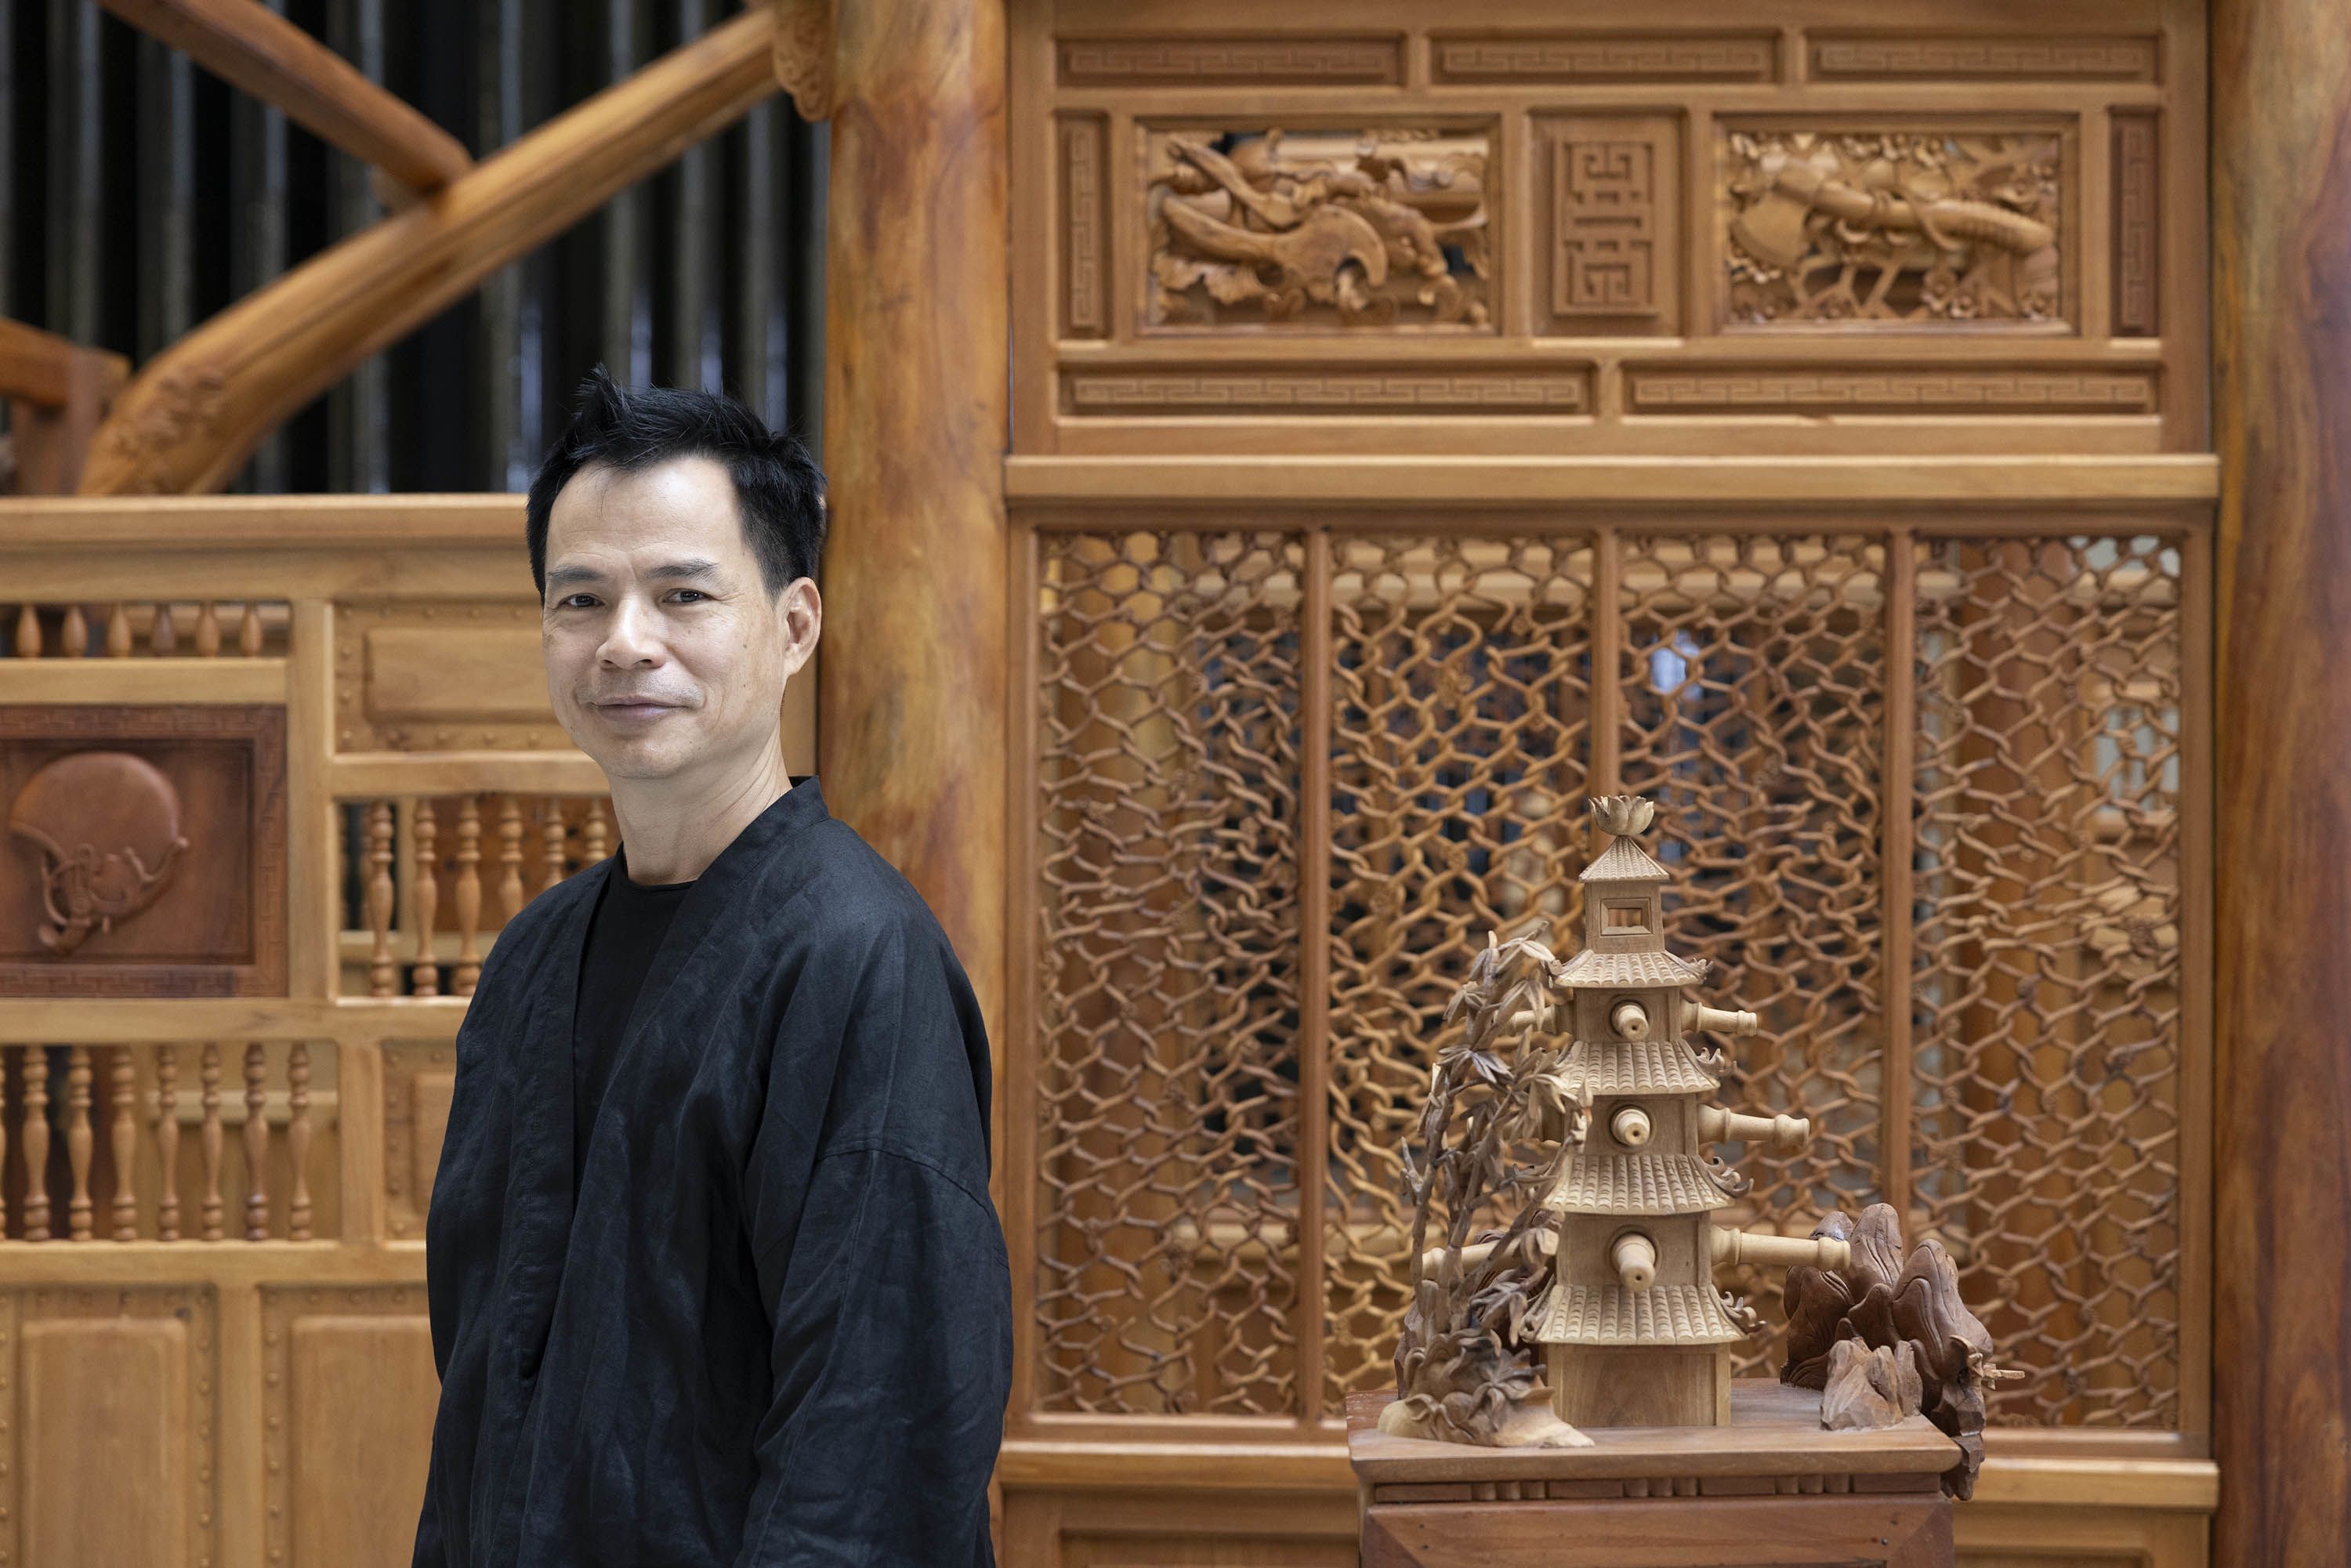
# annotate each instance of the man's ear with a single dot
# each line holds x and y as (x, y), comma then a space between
(800, 612)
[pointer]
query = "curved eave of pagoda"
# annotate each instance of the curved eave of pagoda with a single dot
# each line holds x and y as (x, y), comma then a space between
(1642, 1182)
(1629, 969)
(1637, 1067)
(1611, 1315)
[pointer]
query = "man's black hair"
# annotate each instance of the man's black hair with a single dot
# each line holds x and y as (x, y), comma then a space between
(779, 488)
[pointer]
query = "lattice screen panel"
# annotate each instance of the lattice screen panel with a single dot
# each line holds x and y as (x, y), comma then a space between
(1287, 781)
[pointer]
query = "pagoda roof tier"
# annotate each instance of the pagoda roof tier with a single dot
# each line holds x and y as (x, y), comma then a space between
(1644, 1182)
(1612, 1315)
(1591, 969)
(1624, 861)
(1637, 1067)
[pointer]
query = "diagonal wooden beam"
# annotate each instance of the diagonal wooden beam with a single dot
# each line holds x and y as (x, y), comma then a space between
(251, 46)
(200, 407)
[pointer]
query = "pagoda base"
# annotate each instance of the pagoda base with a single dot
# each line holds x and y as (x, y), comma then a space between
(1659, 1386)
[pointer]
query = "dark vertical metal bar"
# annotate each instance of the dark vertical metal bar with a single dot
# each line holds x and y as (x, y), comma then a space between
(167, 191)
(1314, 968)
(754, 257)
(503, 370)
(76, 148)
(694, 337)
(626, 341)
(1898, 856)
(358, 459)
(257, 232)
(11, 288)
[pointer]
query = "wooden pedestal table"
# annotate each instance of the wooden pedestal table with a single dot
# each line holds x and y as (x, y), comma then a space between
(1769, 1487)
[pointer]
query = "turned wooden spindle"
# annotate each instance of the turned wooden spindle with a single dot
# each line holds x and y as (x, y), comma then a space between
(161, 638)
(167, 1142)
(77, 1142)
(469, 897)
(37, 1143)
(124, 1144)
(7, 1052)
(211, 1074)
(509, 858)
(208, 635)
(29, 632)
(591, 835)
(297, 1139)
(256, 1144)
(424, 971)
(384, 974)
(249, 630)
(74, 635)
(118, 632)
(551, 834)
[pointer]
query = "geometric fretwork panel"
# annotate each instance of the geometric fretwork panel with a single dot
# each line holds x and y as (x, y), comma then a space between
(2038, 1026)
(1752, 674)
(2046, 977)
(1460, 750)
(1167, 1280)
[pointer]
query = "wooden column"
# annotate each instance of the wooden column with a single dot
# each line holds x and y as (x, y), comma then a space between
(911, 728)
(2282, 847)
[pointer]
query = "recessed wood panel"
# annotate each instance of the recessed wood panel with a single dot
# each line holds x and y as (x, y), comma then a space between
(1606, 57)
(1299, 59)
(1982, 57)
(356, 1486)
(106, 1477)
(1608, 198)
(452, 675)
(169, 832)
(419, 1079)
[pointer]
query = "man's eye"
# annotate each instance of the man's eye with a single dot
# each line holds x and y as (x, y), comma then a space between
(694, 592)
(577, 601)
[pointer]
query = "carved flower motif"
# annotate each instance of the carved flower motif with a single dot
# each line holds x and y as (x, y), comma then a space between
(1623, 815)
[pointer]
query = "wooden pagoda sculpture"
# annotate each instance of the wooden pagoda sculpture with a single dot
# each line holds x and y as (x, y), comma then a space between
(1634, 1330)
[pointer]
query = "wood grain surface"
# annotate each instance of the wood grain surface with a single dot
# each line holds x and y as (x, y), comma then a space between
(2281, 318)
(911, 738)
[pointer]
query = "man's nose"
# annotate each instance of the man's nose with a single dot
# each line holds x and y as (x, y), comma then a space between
(632, 637)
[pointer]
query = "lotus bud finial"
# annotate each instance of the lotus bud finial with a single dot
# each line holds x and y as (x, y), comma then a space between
(1623, 815)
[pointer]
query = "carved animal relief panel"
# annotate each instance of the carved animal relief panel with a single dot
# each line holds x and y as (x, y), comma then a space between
(1317, 229)
(1934, 229)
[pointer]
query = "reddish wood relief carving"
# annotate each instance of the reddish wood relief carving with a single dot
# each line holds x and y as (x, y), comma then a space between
(209, 914)
(1317, 229)
(1869, 389)
(1388, 391)
(1904, 227)
(107, 824)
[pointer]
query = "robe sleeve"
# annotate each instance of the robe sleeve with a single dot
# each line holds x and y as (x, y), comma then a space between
(883, 1266)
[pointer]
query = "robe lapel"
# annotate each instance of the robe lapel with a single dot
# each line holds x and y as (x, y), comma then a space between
(540, 1219)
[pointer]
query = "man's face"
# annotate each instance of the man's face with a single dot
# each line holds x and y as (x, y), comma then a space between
(665, 652)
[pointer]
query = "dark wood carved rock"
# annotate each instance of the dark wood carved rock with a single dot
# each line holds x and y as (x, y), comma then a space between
(1869, 1385)
(1838, 1317)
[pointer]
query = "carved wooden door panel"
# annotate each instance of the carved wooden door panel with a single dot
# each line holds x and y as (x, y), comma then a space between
(1426, 416)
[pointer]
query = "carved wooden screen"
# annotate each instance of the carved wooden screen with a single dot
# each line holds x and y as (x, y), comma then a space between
(1289, 779)
(1425, 416)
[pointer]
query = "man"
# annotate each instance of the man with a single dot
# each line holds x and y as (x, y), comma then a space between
(714, 1275)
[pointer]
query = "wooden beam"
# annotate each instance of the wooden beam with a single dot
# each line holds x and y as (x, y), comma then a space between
(201, 407)
(39, 367)
(251, 46)
(2281, 828)
(57, 393)
(911, 730)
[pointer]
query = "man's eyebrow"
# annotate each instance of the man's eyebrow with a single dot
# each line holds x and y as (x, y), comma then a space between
(561, 577)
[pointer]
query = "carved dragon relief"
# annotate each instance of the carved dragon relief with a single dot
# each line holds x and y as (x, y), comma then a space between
(1330, 229)
(1898, 227)
(107, 824)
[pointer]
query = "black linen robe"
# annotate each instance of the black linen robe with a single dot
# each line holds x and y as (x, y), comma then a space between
(776, 1327)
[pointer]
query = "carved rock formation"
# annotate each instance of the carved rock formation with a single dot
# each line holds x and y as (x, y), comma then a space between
(1837, 1318)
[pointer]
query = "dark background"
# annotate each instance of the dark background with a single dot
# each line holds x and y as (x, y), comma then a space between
(140, 194)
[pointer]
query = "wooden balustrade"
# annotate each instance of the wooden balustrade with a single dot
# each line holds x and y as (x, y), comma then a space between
(135, 1182)
(200, 629)
(429, 881)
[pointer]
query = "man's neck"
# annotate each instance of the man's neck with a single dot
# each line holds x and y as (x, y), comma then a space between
(675, 828)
